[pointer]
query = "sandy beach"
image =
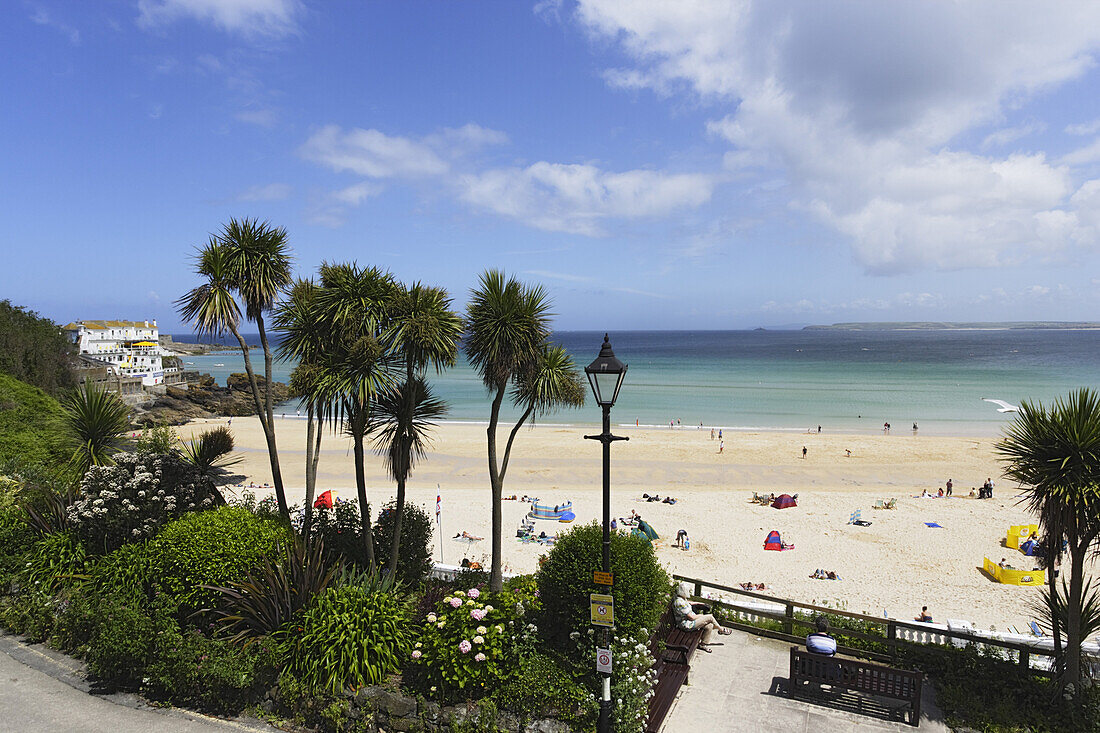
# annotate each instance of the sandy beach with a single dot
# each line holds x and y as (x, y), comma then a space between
(895, 565)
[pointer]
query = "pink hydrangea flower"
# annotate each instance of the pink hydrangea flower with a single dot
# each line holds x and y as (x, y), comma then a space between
(465, 646)
(479, 657)
(417, 654)
(474, 593)
(456, 602)
(477, 614)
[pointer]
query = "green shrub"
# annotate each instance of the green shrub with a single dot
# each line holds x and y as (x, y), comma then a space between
(466, 648)
(542, 688)
(131, 567)
(134, 498)
(16, 538)
(121, 643)
(520, 597)
(352, 635)
(341, 529)
(32, 614)
(55, 561)
(215, 548)
(160, 440)
(414, 560)
(212, 674)
(77, 617)
(565, 583)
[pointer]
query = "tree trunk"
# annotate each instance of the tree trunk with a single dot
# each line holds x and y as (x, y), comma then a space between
(311, 476)
(395, 546)
(1073, 615)
(276, 471)
(1055, 622)
(361, 486)
(496, 576)
(265, 423)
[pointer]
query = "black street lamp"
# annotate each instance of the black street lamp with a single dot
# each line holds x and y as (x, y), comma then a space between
(606, 374)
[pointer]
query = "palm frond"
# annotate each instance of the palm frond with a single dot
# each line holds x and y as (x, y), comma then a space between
(401, 421)
(210, 307)
(507, 325)
(96, 420)
(258, 259)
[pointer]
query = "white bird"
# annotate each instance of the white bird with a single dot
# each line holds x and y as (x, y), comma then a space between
(1004, 406)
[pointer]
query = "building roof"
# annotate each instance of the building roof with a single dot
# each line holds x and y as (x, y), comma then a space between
(104, 325)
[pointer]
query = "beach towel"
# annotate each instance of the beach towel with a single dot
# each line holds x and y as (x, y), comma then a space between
(933, 524)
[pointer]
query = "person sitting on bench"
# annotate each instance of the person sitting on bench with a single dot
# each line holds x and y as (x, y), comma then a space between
(689, 620)
(819, 641)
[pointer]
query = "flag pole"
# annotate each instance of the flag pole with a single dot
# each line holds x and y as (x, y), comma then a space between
(438, 519)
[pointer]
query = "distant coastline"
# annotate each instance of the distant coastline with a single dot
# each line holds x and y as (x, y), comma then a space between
(959, 326)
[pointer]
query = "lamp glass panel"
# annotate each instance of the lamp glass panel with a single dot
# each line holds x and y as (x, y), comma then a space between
(605, 385)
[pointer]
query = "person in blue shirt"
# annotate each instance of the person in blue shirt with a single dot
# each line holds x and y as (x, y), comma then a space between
(819, 641)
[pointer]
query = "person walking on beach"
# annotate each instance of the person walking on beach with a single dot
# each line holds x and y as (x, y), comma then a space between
(721, 445)
(712, 433)
(803, 452)
(719, 433)
(949, 487)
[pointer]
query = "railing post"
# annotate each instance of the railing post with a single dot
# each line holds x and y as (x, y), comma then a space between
(788, 625)
(892, 639)
(698, 589)
(1025, 660)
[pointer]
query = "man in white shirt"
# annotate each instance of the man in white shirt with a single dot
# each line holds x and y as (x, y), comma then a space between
(820, 642)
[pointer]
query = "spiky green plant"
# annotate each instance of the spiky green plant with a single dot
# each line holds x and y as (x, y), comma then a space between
(267, 600)
(210, 451)
(352, 635)
(96, 420)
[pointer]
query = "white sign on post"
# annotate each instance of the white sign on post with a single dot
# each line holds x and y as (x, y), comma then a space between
(603, 661)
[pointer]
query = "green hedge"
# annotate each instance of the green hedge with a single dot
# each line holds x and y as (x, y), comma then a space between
(31, 428)
(212, 548)
(565, 583)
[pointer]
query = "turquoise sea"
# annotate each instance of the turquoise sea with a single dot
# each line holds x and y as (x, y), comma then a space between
(845, 381)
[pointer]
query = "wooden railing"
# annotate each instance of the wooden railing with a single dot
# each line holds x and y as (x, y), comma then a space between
(895, 633)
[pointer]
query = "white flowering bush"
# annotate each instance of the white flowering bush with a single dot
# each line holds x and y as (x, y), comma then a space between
(466, 647)
(633, 675)
(134, 498)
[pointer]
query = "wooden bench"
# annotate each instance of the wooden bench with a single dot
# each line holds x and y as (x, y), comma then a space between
(809, 669)
(673, 648)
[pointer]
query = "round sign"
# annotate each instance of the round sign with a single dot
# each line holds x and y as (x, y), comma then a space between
(603, 658)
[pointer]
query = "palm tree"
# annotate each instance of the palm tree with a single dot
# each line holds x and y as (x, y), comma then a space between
(1055, 454)
(96, 420)
(250, 260)
(400, 422)
(357, 363)
(507, 333)
(425, 331)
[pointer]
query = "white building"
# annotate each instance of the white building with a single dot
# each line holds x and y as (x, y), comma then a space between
(127, 348)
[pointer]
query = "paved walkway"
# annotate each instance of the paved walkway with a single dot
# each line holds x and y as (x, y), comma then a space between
(742, 686)
(42, 691)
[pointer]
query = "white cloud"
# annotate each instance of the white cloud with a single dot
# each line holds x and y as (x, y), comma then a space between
(272, 18)
(1084, 128)
(42, 17)
(356, 194)
(261, 117)
(589, 280)
(1088, 154)
(859, 105)
(577, 198)
(269, 192)
(372, 153)
(574, 198)
(1008, 135)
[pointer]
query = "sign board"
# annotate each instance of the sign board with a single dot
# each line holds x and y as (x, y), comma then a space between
(602, 578)
(603, 609)
(603, 661)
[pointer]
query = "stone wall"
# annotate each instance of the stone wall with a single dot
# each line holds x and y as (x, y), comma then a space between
(384, 710)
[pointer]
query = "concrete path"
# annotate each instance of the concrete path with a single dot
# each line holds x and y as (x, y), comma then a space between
(742, 686)
(42, 691)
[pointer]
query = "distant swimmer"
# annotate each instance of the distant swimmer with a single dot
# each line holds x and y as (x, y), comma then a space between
(914, 427)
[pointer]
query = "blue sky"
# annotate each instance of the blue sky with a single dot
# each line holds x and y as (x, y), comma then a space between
(688, 165)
